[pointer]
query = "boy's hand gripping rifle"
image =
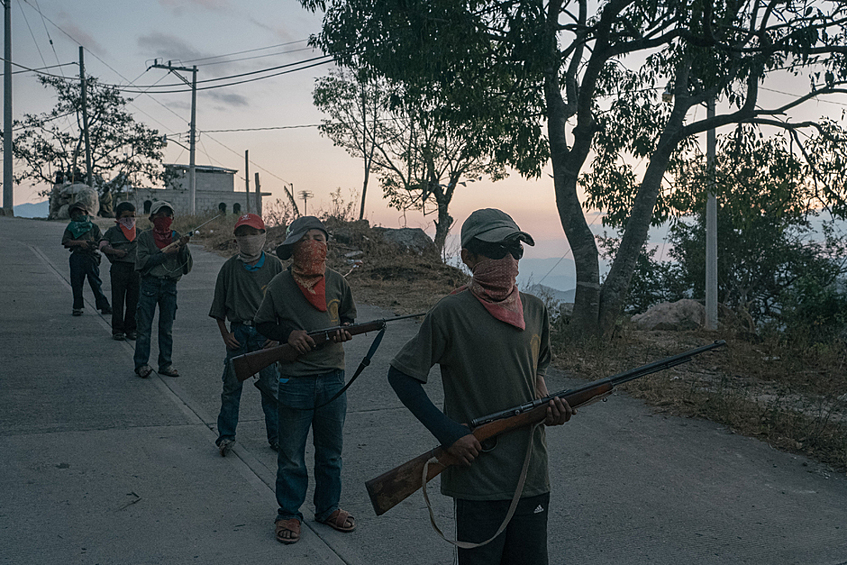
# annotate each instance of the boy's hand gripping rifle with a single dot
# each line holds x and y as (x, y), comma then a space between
(394, 486)
(251, 363)
(178, 243)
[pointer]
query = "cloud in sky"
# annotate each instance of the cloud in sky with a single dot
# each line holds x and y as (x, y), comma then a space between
(229, 99)
(79, 35)
(281, 32)
(179, 6)
(169, 47)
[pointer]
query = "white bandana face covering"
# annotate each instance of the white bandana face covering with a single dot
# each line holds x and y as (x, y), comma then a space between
(250, 246)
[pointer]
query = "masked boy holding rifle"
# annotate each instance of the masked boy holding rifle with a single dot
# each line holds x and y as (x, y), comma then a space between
(492, 343)
(239, 290)
(307, 297)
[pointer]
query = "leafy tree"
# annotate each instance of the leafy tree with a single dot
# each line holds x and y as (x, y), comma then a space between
(421, 158)
(515, 65)
(123, 151)
(772, 264)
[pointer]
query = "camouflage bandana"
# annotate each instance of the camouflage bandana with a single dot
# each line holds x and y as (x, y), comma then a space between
(309, 270)
(493, 284)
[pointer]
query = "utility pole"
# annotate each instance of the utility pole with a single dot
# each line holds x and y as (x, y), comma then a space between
(258, 197)
(8, 187)
(247, 178)
(711, 229)
(82, 85)
(192, 127)
(305, 195)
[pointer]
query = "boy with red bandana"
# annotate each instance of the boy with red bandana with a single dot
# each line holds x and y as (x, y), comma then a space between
(492, 343)
(162, 258)
(307, 297)
(119, 243)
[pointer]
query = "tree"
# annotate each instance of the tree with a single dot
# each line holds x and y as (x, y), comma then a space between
(123, 151)
(772, 264)
(421, 158)
(513, 64)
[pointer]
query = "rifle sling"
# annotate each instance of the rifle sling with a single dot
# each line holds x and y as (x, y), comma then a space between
(512, 507)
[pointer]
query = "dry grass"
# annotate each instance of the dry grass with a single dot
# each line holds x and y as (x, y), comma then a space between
(790, 395)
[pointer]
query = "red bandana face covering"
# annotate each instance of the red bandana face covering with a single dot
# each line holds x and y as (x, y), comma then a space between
(493, 284)
(308, 271)
(162, 231)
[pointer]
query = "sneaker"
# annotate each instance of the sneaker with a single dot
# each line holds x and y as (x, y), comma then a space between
(77, 312)
(118, 336)
(226, 446)
(275, 446)
(131, 335)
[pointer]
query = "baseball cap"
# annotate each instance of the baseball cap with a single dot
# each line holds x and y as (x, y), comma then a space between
(158, 205)
(252, 220)
(77, 206)
(492, 226)
(295, 232)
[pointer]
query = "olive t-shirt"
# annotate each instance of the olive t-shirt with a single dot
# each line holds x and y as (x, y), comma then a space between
(92, 236)
(486, 366)
(117, 240)
(150, 260)
(238, 292)
(284, 303)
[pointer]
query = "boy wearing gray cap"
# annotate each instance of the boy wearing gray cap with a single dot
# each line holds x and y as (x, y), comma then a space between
(162, 257)
(81, 237)
(492, 343)
(306, 297)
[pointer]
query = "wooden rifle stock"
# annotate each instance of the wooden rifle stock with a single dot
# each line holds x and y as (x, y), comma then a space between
(251, 363)
(394, 486)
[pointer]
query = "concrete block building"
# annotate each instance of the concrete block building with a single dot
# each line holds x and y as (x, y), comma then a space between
(214, 192)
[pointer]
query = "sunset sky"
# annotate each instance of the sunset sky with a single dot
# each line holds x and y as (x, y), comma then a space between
(122, 38)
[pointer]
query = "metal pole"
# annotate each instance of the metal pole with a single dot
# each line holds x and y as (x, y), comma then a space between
(258, 196)
(8, 187)
(192, 172)
(711, 230)
(83, 86)
(247, 178)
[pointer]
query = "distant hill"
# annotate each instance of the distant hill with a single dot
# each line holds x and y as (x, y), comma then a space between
(29, 210)
(545, 292)
(555, 273)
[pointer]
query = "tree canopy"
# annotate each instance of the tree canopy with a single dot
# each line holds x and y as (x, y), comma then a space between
(52, 145)
(567, 78)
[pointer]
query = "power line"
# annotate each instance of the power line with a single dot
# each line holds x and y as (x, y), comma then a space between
(245, 51)
(269, 128)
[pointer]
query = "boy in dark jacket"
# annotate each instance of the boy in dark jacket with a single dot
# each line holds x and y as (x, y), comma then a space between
(119, 243)
(81, 237)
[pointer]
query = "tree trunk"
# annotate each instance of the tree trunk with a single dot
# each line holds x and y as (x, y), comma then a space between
(566, 165)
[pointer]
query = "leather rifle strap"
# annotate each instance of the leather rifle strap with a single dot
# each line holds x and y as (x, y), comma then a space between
(512, 507)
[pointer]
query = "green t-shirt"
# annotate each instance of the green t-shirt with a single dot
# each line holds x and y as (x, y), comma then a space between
(486, 366)
(150, 260)
(92, 236)
(238, 292)
(117, 240)
(284, 303)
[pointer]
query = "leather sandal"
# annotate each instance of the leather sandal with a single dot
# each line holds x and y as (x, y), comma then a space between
(288, 531)
(143, 371)
(339, 520)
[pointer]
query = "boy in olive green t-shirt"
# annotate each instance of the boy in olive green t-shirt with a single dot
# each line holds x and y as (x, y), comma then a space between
(82, 237)
(492, 343)
(239, 290)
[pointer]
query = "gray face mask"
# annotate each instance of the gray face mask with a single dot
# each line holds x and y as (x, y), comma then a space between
(250, 246)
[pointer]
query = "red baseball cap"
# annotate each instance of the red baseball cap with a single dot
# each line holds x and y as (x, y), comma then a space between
(251, 220)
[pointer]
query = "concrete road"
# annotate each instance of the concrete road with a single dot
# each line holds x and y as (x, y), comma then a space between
(100, 466)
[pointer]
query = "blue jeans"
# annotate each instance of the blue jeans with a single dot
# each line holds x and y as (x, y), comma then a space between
(162, 292)
(86, 265)
(250, 340)
(297, 399)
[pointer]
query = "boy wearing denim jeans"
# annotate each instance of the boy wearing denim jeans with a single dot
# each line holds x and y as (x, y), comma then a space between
(162, 258)
(81, 237)
(307, 297)
(239, 290)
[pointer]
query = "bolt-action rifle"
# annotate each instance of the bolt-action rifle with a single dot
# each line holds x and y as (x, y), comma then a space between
(394, 486)
(251, 363)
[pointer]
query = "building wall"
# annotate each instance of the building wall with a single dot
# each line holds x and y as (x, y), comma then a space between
(207, 201)
(216, 181)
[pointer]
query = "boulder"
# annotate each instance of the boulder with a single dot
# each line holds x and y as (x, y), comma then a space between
(407, 239)
(685, 314)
